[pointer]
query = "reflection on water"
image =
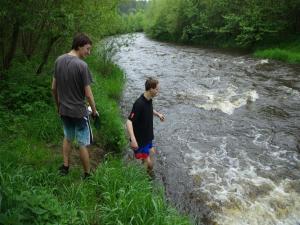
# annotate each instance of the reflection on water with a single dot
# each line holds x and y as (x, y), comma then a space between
(228, 150)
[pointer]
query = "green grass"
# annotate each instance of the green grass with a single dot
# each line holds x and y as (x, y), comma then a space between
(32, 192)
(287, 52)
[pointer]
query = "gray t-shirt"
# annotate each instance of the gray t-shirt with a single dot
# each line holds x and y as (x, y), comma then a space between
(71, 75)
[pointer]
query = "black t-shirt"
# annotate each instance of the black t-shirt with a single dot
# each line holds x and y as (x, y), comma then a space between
(142, 120)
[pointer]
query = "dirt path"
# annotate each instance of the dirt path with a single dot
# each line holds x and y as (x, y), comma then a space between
(96, 155)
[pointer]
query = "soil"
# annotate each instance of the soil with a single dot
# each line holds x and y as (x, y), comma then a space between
(96, 155)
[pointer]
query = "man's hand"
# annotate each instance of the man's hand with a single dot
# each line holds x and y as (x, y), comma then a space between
(133, 144)
(95, 114)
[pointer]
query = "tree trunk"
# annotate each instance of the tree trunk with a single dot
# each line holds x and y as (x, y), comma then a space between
(47, 53)
(26, 44)
(13, 46)
(31, 39)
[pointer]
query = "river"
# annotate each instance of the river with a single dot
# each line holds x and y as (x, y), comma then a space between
(228, 151)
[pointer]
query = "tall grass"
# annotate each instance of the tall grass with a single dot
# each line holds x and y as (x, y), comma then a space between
(33, 193)
(128, 197)
(107, 89)
(288, 51)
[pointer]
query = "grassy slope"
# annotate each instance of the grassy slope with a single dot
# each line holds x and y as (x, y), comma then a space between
(32, 192)
(288, 52)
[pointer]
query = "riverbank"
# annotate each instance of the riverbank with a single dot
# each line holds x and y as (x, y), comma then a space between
(31, 191)
(285, 51)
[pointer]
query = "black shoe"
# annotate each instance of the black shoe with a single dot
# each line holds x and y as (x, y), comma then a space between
(63, 170)
(86, 176)
(151, 175)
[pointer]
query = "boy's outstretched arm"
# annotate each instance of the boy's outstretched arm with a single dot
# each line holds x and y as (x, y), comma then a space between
(159, 115)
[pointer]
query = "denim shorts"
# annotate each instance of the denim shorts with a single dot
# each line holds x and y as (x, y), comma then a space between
(77, 129)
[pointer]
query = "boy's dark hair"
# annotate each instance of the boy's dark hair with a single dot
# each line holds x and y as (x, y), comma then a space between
(80, 40)
(150, 83)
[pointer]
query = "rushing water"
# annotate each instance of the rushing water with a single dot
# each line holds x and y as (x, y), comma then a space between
(229, 148)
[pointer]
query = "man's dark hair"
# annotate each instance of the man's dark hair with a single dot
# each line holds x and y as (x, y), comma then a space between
(80, 40)
(150, 83)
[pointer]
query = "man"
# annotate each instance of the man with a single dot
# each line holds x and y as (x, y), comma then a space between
(71, 88)
(140, 124)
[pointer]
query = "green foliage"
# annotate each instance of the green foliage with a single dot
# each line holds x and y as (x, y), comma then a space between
(29, 196)
(283, 54)
(29, 206)
(28, 107)
(40, 28)
(230, 23)
(132, 22)
(107, 89)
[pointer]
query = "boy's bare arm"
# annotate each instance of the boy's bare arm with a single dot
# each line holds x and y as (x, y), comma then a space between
(159, 115)
(133, 142)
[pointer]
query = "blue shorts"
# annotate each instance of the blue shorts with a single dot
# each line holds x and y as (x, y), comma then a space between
(77, 129)
(143, 152)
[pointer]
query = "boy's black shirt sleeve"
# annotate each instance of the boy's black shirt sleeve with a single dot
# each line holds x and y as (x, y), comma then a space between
(135, 112)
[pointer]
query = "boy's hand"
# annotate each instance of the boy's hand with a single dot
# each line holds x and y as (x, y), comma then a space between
(133, 144)
(161, 117)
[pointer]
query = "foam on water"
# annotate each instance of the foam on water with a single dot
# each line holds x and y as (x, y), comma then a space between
(226, 101)
(237, 193)
(277, 207)
(295, 94)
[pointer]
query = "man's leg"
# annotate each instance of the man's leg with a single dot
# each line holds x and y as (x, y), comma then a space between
(83, 136)
(69, 130)
(66, 151)
(85, 159)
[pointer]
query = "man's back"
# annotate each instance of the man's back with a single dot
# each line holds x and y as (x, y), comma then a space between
(72, 75)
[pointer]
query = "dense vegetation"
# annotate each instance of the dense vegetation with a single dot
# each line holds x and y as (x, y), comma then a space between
(226, 23)
(33, 34)
(39, 29)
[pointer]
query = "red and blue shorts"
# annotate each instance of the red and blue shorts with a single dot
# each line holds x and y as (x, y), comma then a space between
(143, 152)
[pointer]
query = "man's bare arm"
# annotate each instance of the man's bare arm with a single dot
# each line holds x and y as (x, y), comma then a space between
(54, 93)
(90, 98)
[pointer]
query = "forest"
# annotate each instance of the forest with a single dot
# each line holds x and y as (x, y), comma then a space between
(270, 25)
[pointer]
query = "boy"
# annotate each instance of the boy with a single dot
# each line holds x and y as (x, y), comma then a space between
(140, 124)
(71, 88)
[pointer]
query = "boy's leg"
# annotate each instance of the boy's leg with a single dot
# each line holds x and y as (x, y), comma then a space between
(152, 152)
(66, 151)
(85, 159)
(149, 164)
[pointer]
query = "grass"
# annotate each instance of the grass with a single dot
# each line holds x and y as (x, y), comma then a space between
(32, 192)
(288, 52)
